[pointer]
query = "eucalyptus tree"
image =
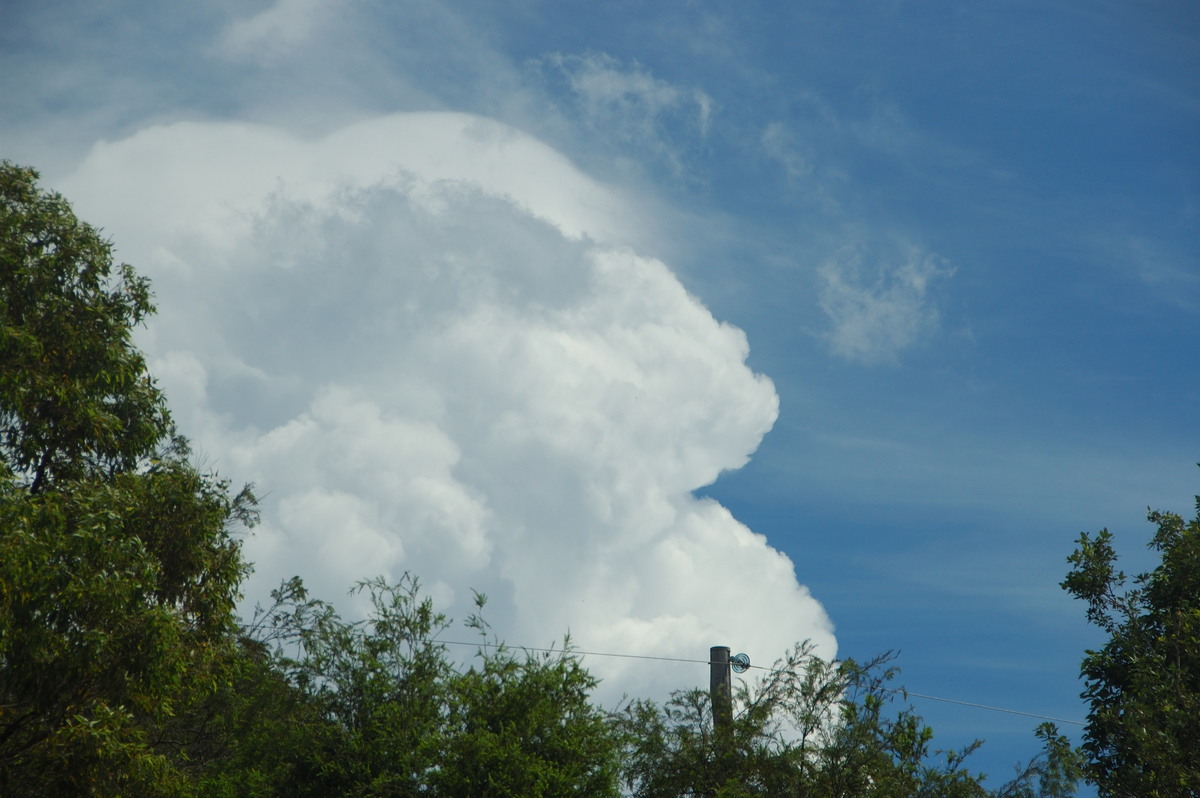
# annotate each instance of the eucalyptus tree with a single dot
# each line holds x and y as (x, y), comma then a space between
(118, 559)
(1143, 684)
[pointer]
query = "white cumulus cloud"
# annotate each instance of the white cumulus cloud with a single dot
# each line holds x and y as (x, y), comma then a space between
(432, 344)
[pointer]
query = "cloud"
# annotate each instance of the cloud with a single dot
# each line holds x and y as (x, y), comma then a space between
(878, 313)
(630, 106)
(779, 145)
(1167, 272)
(283, 28)
(428, 340)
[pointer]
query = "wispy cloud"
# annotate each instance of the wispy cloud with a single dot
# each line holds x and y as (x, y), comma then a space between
(275, 31)
(878, 309)
(1168, 273)
(627, 103)
(780, 145)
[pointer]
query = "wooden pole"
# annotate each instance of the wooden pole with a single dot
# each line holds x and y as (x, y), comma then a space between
(720, 687)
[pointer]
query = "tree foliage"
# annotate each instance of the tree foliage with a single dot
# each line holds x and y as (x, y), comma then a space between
(378, 707)
(1143, 685)
(814, 729)
(75, 397)
(118, 571)
(525, 725)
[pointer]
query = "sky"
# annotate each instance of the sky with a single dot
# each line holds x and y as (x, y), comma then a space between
(666, 325)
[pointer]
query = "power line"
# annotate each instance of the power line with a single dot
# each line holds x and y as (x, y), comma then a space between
(983, 706)
(583, 653)
(904, 692)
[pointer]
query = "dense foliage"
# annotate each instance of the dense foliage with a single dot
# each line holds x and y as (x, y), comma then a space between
(377, 707)
(118, 571)
(75, 398)
(1143, 685)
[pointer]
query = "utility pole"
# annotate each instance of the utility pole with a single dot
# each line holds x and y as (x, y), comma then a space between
(720, 688)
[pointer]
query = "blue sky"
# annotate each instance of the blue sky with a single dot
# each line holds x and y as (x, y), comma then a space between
(960, 240)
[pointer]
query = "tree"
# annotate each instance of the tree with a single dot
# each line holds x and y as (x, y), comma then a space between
(1143, 686)
(118, 568)
(381, 709)
(370, 692)
(814, 729)
(75, 397)
(525, 726)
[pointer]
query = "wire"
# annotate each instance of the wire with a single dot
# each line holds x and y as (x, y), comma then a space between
(901, 690)
(983, 706)
(584, 653)
(904, 692)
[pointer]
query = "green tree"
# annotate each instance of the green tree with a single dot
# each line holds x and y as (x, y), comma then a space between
(371, 691)
(377, 707)
(1143, 685)
(75, 397)
(247, 736)
(814, 729)
(524, 725)
(118, 569)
